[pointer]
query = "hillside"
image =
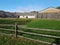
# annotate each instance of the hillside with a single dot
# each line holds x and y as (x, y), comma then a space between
(4, 14)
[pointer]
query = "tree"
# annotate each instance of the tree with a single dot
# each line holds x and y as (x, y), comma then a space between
(58, 7)
(34, 12)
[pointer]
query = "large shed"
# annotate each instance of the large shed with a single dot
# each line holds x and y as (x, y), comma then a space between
(50, 13)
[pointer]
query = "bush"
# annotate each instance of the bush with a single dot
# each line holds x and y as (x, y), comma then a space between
(14, 20)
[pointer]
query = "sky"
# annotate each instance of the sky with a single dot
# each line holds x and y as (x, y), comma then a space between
(27, 5)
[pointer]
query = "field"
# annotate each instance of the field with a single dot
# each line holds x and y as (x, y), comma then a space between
(11, 40)
(34, 23)
(14, 20)
(45, 24)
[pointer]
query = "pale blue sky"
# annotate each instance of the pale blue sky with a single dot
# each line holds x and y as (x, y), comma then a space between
(27, 5)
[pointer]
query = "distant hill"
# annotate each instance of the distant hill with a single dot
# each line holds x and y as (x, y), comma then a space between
(4, 14)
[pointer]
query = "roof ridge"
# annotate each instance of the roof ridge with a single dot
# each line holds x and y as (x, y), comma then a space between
(47, 9)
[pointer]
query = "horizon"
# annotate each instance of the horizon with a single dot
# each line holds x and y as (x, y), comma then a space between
(27, 5)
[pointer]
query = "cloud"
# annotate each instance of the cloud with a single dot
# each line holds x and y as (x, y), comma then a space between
(29, 8)
(26, 9)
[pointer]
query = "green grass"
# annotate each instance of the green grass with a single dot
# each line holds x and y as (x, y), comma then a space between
(11, 40)
(31, 36)
(41, 32)
(46, 24)
(7, 27)
(14, 20)
(33, 31)
(38, 23)
(7, 32)
(41, 38)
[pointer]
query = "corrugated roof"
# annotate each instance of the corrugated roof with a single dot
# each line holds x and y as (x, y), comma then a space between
(49, 10)
(26, 14)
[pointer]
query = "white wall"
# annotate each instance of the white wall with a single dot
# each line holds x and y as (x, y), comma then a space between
(22, 17)
(31, 16)
(27, 16)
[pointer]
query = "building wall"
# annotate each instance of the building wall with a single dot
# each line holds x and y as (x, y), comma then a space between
(27, 16)
(31, 16)
(43, 16)
(22, 16)
(49, 15)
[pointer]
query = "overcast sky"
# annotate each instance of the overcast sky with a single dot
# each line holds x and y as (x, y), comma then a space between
(27, 5)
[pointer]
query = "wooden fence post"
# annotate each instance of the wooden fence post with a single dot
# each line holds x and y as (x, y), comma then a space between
(16, 29)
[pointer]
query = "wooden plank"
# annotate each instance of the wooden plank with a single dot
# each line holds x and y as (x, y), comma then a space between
(40, 34)
(39, 29)
(7, 29)
(28, 38)
(33, 33)
(6, 34)
(38, 40)
(31, 28)
(35, 40)
(7, 25)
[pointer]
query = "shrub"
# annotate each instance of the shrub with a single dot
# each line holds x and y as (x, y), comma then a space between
(14, 20)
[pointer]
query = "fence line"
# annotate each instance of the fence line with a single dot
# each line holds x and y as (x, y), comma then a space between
(52, 30)
(30, 33)
(7, 25)
(27, 38)
(18, 31)
(40, 29)
(7, 29)
(40, 34)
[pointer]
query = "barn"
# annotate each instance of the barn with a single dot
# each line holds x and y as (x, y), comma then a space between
(49, 13)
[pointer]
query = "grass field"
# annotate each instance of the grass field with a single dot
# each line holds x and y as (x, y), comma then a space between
(46, 24)
(31, 36)
(41, 32)
(38, 23)
(14, 20)
(11, 40)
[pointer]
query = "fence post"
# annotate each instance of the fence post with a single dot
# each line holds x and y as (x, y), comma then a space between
(16, 29)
